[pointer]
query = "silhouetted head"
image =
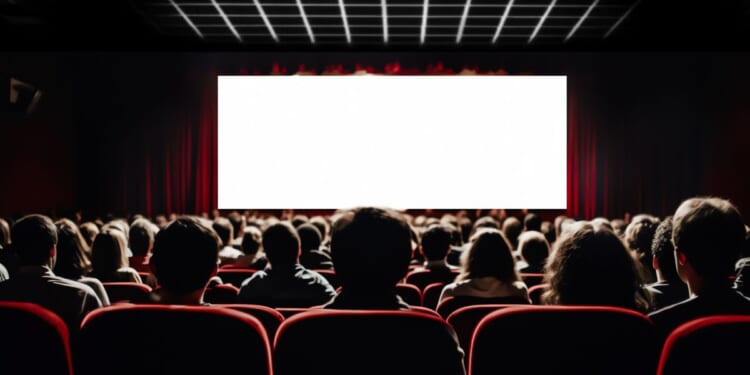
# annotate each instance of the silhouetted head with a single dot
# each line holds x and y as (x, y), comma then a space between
(224, 229)
(34, 240)
(532, 222)
(436, 242)
(281, 244)
(251, 240)
(72, 251)
(141, 237)
(309, 237)
(662, 250)
(512, 228)
(89, 230)
(323, 227)
(489, 255)
(238, 223)
(109, 252)
(533, 247)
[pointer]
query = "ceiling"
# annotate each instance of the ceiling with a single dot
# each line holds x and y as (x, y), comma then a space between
(484, 25)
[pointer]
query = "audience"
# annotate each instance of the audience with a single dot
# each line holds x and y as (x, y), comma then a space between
(708, 235)
(310, 241)
(593, 267)
(227, 254)
(72, 261)
(639, 235)
(141, 241)
(668, 289)
(435, 244)
(285, 282)
(512, 228)
(534, 250)
(89, 231)
(532, 222)
(252, 256)
(488, 270)
(35, 243)
(109, 258)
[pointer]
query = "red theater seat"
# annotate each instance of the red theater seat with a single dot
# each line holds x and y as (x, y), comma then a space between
(410, 294)
(222, 293)
(33, 340)
(466, 319)
(423, 278)
(235, 276)
(172, 340)
(339, 342)
(126, 291)
(288, 312)
(564, 340)
(270, 318)
(431, 295)
(447, 306)
(331, 276)
(713, 345)
(535, 293)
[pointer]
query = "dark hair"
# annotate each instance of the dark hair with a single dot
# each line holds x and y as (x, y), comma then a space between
(309, 237)
(323, 227)
(89, 231)
(639, 234)
(710, 232)
(281, 244)
(512, 228)
(72, 259)
(663, 250)
(436, 242)
(590, 267)
(298, 220)
(251, 240)
(238, 223)
(185, 255)
(4, 233)
(532, 222)
(33, 238)
(141, 237)
(371, 248)
(490, 254)
(108, 254)
(224, 229)
(485, 222)
(534, 247)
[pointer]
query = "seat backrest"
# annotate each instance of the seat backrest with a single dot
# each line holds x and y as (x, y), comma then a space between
(532, 279)
(423, 278)
(288, 312)
(712, 345)
(270, 318)
(447, 306)
(173, 340)
(348, 342)
(126, 291)
(466, 319)
(235, 276)
(330, 276)
(431, 295)
(574, 340)
(34, 341)
(535, 293)
(410, 294)
(221, 293)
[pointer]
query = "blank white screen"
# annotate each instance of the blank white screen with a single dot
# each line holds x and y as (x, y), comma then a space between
(441, 142)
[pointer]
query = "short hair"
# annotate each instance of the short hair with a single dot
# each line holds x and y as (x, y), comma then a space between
(224, 229)
(534, 247)
(108, 254)
(119, 224)
(72, 260)
(533, 222)
(298, 220)
(237, 221)
(593, 267)
(371, 248)
(89, 231)
(281, 244)
(185, 255)
(618, 226)
(663, 250)
(639, 234)
(141, 236)
(549, 231)
(485, 222)
(436, 242)
(33, 238)
(251, 240)
(309, 237)
(4, 233)
(512, 228)
(323, 227)
(490, 255)
(710, 232)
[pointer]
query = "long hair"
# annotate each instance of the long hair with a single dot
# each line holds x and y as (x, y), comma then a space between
(593, 267)
(72, 259)
(490, 254)
(108, 252)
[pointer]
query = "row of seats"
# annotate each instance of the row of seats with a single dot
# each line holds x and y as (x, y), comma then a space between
(507, 339)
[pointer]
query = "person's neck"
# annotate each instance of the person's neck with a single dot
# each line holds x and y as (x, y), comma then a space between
(701, 287)
(192, 298)
(660, 276)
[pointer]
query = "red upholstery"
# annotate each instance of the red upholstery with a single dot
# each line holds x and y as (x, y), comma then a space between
(447, 306)
(713, 345)
(125, 291)
(235, 276)
(288, 312)
(33, 340)
(575, 340)
(173, 340)
(423, 278)
(222, 293)
(532, 279)
(331, 276)
(431, 295)
(466, 319)
(410, 294)
(365, 342)
(535, 293)
(270, 318)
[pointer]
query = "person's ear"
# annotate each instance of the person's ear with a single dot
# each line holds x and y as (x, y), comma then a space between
(681, 258)
(53, 251)
(655, 263)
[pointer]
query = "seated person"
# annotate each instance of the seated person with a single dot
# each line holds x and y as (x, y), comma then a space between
(72, 261)
(371, 251)
(488, 270)
(141, 241)
(285, 282)
(534, 250)
(639, 236)
(34, 243)
(708, 236)
(184, 258)
(224, 229)
(668, 289)
(436, 243)
(109, 258)
(251, 256)
(310, 240)
(593, 267)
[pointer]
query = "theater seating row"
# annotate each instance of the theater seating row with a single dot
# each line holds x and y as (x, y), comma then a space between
(245, 339)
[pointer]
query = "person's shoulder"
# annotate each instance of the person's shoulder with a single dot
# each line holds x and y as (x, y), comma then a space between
(670, 312)
(78, 286)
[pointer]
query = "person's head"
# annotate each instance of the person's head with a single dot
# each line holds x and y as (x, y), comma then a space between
(4, 234)
(533, 222)
(281, 244)
(141, 237)
(533, 247)
(309, 237)
(618, 226)
(251, 240)
(108, 254)
(558, 224)
(512, 228)
(370, 248)
(548, 231)
(238, 223)
(72, 251)
(185, 256)
(663, 252)
(639, 234)
(593, 267)
(323, 227)
(34, 241)
(708, 235)
(298, 220)
(224, 229)
(119, 224)
(89, 231)
(601, 223)
(436, 242)
(490, 255)
(485, 222)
